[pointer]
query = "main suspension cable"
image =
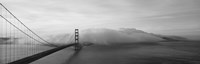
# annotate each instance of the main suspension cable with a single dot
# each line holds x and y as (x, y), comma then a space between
(25, 25)
(20, 29)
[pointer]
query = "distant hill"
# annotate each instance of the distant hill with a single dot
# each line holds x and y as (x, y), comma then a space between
(172, 38)
(7, 40)
(165, 37)
(192, 37)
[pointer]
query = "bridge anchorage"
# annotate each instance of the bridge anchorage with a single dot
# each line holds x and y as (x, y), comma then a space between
(77, 45)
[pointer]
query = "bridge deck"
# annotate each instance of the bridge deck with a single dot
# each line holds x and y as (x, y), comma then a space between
(59, 57)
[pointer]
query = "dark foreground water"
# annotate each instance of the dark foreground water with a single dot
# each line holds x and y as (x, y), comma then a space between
(162, 53)
(142, 53)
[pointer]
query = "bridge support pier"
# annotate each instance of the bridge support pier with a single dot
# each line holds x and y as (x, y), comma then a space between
(77, 44)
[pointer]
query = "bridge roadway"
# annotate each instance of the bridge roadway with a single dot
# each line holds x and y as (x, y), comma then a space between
(122, 54)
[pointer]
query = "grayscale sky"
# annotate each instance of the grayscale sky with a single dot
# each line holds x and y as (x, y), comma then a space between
(179, 17)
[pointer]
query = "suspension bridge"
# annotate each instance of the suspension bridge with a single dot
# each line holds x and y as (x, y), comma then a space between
(21, 45)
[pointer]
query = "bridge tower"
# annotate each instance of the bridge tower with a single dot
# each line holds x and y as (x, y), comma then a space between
(77, 44)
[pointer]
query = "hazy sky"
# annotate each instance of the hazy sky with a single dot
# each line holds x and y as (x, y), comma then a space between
(157, 16)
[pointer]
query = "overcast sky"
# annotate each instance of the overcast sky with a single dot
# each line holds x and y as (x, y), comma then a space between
(156, 16)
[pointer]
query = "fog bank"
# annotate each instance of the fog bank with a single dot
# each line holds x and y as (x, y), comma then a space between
(107, 36)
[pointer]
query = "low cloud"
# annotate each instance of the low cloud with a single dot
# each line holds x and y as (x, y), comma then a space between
(107, 36)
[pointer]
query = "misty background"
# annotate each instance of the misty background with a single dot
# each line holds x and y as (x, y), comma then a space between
(166, 17)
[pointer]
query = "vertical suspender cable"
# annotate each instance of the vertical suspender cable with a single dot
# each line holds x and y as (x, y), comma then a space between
(6, 36)
(10, 42)
(6, 40)
(14, 42)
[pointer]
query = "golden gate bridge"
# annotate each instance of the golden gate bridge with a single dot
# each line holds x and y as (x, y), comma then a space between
(19, 44)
